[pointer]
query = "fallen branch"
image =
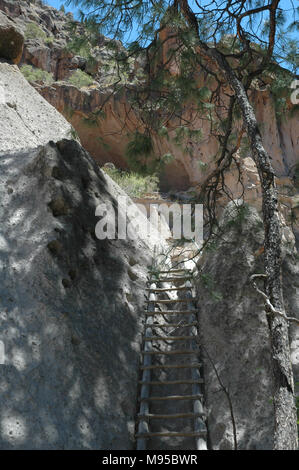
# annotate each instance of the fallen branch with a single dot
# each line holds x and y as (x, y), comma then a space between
(227, 394)
(271, 309)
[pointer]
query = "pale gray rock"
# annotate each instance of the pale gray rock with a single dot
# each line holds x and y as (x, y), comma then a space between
(234, 333)
(70, 306)
(27, 120)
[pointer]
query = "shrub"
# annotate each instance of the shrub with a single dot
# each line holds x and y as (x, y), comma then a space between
(134, 184)
(49, 40)
(33, 74)
(138, 152)
(82, 42)
(80, 79)
(33, 31)
(239, 216)
(140, 155)
(79, 47)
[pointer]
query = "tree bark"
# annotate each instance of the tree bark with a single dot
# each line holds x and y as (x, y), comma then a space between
(285, 429)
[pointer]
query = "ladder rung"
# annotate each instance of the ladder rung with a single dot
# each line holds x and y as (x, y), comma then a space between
(170, 353)
(172, 366)
(174, 325)
(172, 312)
(166, 289)
(183, 270)
(171, 382)
(171, 434)
(171, 279)
(168, 338)
(173, 397)
(171, 301)
(173, 416)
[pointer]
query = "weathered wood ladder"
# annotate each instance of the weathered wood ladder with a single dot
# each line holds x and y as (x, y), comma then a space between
(164, 330)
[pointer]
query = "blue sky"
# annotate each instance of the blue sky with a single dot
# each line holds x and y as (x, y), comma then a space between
(57, 4)
(284, 4)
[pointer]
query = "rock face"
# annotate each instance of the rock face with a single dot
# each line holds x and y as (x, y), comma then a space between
(11, 39)
(79, 103)
(27, 120)
(235, 333)
(70, 306)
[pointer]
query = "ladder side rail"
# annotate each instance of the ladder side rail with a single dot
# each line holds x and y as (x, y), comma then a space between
(199, 424)
(143, 427)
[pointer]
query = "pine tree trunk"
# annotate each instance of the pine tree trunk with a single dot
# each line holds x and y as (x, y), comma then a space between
(285, 430)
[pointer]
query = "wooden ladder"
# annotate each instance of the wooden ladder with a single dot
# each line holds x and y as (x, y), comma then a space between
(166, 329)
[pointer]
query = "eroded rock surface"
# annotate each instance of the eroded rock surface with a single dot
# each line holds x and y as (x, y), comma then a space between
(70, 303)
(235, 334)
(70, 306)
(11, 39)
(52, 54)
(27, 120)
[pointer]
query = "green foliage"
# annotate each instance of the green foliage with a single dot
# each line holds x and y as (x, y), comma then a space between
(229, 44)
(185, 135)
(242, 212)
(33, 31)
(141, 158)
(103, 143)
(132, 183)
(49, 40)
(79, 47)
(74, 134)
(173, 92)
(82, 42)
(292, 55)
(138, 151)
(245, 148)
(163, 132)
(80, 79)
(62, 8)
(167, 158)
(92, 120)
(33, 74)
(280, 89)
(212, 246)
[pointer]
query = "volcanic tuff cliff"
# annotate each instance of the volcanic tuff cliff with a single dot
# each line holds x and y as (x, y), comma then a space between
(234, 332)
(69, 303)
(48, 49)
